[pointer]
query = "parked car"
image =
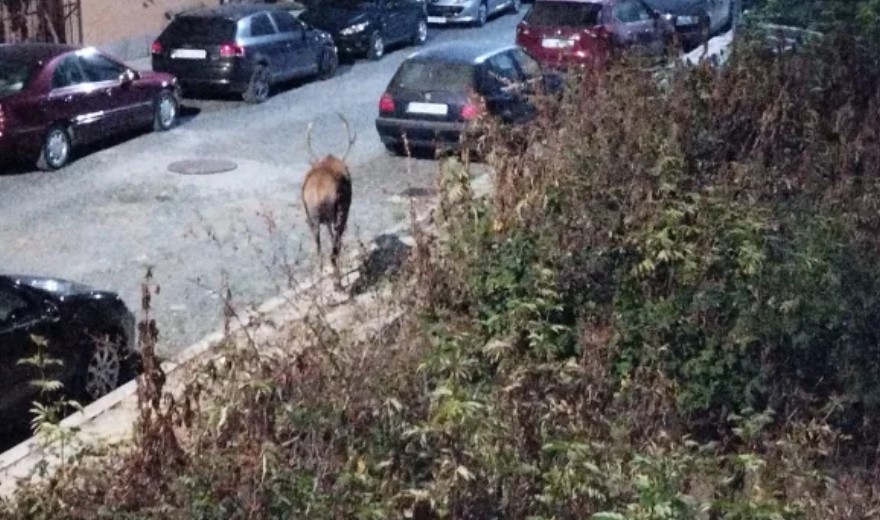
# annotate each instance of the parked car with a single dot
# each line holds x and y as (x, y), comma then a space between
(562, 33)
(696, 20)
(56, 97)
(91, 332)
(437, 93)
(476, 12)
(370, 26)
(242, 48)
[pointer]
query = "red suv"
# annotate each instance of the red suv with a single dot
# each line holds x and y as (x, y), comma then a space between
(562, 33)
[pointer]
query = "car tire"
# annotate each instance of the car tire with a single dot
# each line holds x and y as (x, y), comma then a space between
(421, 35)
(104, 367)
(395, 149)
(56, 149)
(259, 86)
(165, 112)
(377, 47)
(329, 63)
(728, 22)
(515, 6)
(482, 14)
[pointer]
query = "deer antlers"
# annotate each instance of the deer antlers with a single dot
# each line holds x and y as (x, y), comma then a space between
(352, 137)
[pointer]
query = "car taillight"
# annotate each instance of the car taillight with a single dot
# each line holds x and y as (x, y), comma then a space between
(470, 111)
(386, 103)
(156, 47)
(2, 121)
(230, 50)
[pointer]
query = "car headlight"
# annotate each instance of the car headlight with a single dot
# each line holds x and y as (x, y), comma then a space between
(687, 20)
(354, 29)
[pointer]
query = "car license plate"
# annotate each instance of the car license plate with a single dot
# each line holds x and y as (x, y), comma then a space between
(436, 19)
(437, 109)
(555, 43)
(189, 54)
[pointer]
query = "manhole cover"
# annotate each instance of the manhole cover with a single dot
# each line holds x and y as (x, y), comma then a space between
(202, 166)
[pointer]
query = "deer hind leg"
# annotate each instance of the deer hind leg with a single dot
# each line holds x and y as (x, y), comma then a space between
(338, 230)
(316, 233)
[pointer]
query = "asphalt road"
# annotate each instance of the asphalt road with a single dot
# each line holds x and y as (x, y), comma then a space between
(118, 209)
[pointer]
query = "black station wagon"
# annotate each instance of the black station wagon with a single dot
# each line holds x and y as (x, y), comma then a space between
(242, 48)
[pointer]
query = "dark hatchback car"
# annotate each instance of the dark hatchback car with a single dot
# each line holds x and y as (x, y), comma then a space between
(695, 20)
(369, 27)
(56, 97)
(91, 332)
(562, 33)
(436, 94)
(242, 48)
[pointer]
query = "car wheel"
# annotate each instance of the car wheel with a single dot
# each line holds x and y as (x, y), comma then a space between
(515, 6)
(258, 88)
(329, 63)
(166, 112)
(728, 22)
(395, 149)
(104, 367)
(377, 47)
(482, 14)
(421, 35)
(56, 149)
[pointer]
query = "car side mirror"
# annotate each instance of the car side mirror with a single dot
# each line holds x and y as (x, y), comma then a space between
(50, 311)
(129, 76)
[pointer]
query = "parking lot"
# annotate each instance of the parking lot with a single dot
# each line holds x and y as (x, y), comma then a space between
(118, 209)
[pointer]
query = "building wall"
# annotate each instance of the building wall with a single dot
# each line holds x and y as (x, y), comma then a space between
(126, 28)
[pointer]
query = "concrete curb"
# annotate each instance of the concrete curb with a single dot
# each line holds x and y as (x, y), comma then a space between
(19, 461)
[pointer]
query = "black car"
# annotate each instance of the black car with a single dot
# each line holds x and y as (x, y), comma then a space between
(695, 20)
(436, 93)
(370, 26)
(242, 48)
(91, 332)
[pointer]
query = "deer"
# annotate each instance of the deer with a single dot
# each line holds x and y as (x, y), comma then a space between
(326, 198)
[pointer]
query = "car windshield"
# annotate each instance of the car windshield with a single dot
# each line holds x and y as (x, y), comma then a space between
(564, 14)
(192, 28)
(14, 76)
(433, 75)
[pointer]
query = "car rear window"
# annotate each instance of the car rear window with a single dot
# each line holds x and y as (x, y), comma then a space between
(564, 14)
(14, 75)
(198, 29)
(422, 75)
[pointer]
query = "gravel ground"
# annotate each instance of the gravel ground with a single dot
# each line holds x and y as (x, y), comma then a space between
(118, 209)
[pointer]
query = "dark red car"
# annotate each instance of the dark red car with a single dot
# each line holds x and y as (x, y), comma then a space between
(562, 33)
(55, 97)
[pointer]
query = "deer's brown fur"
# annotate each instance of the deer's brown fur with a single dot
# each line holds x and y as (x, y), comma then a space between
(326, 196)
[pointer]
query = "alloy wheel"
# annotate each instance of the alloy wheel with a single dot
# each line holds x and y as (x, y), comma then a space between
(56, 149)
(167, 112)
(103, 370)
(377, 47)
(422, 32)
(482, 15)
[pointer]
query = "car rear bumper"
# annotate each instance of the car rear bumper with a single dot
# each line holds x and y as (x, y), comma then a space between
(353, 43)
(419, 133)
(439, 14)
(231, 76)
(689, 36)
(563, 60)
(19, 145)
